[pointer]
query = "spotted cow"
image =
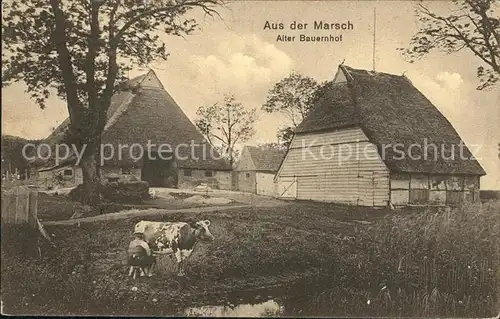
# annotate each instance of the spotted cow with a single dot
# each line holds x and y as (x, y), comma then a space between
(177, 238)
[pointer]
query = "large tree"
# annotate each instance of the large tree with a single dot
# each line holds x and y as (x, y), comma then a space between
(293, 96)
(81, 50)
(225, 124)
(473, 25)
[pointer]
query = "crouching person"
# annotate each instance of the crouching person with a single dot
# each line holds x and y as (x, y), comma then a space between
(139, 257)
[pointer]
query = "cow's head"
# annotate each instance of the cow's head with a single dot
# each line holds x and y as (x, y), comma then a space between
(201, 230)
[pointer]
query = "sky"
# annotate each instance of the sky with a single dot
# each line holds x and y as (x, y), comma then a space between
(233, 54)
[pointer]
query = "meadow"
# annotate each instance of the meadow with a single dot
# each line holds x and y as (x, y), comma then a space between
(317, 259)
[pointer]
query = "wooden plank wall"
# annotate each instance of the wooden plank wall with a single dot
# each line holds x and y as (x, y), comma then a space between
(340, 166)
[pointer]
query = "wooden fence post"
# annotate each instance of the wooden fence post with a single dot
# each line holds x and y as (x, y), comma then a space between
(19, 206)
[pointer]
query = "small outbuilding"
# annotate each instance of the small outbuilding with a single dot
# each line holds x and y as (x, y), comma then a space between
(374, 139)
(256, 169)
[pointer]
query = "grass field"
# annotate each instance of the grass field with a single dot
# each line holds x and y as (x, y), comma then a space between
(317, 259)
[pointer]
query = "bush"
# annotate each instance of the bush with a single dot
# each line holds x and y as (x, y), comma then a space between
(486, 195)
(132, 192)
(119, 191)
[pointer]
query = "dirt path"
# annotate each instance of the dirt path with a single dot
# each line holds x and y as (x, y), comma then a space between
(142, 213)
(237, 197)
(158, 207)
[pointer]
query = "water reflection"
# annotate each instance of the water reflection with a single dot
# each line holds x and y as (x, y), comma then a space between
(268, 308)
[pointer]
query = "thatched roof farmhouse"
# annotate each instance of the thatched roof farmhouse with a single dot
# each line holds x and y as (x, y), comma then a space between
(148, 114)
(374, 139)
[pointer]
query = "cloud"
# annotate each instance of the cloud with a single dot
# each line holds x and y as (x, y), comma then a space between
(444, 91)
(244, 64)
(449, 80)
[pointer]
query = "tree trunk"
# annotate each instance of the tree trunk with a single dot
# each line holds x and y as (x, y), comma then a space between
(91, 179)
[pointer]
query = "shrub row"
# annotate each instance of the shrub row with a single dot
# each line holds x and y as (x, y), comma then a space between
(119, 192)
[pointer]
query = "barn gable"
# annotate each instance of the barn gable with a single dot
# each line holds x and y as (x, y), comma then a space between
(245, 162)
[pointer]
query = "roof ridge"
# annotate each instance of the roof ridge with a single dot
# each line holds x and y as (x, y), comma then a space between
(151, 71)
(119, 111)
(372, 72)
(346, 72)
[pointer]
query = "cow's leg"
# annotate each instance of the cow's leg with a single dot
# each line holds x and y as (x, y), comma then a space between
(178, 257)
(130, 271)
(184, 256)
(150, 268)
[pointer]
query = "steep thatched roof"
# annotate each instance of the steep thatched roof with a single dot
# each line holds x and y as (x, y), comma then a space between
(391, 111)
(148, 114)
(266, 159)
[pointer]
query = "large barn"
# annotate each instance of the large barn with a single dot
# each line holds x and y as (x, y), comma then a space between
(374, 140)
(142, 115)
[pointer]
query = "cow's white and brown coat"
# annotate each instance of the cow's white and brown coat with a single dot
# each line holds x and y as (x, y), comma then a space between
(177, 238)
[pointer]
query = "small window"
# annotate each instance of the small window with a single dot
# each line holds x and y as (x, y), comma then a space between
(126, 170)
(209, 173)
(248, 175)
(187, 172)
(68, 172)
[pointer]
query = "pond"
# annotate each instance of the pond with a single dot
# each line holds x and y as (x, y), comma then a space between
(325, 298)
(269, 308)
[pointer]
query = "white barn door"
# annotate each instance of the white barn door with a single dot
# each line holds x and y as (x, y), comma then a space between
(287, 187)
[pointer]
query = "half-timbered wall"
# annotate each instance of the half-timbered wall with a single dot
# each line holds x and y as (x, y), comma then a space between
(424, 189)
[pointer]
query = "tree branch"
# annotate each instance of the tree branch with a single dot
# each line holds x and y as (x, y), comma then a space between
(112, 68)
(486, 21)
(63, 55)
(93, 47)
(147, 13)
(221, 128)
(220, 139)
(459, 34)
(486, 35)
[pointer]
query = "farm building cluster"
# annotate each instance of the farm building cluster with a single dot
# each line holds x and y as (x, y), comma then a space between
(362, 112)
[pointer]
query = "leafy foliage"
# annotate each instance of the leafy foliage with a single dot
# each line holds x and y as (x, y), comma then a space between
(82, 51)
(226, 123)
(285, 136)
(292, 96)
(473, 26)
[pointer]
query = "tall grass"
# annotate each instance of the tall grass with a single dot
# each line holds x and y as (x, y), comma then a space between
(434, 263)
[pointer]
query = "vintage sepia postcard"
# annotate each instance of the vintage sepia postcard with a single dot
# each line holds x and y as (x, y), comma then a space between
(216, 158)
